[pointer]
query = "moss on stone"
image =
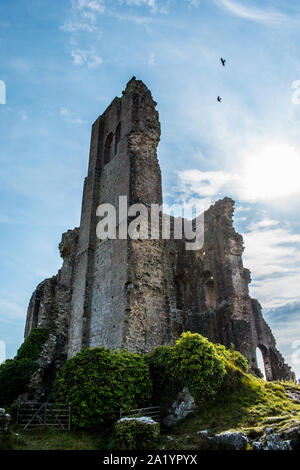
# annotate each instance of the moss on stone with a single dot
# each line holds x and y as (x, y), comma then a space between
(33, 344)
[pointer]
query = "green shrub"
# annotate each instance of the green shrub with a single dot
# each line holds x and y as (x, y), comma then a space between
(234, 356)
(15, 373)
(197, 365)
(137, 433)
(194, 362)
(98, 383)
(33, 344)
(160, 362)
(240, 361)
(14, 378)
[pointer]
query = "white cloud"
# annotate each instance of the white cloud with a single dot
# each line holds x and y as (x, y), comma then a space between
(194, 3)
(70, 116)
(263, 223)
(77, 121)
(271, 251)
(151, 59)
(94, 5)
(267, 172)
(86, 56)
(89, 15)
(72, 27)
(252, 13)
(11, 309)
(150, 3)
(204, 183)
(63, 112)
(99, 6)
(242, 209)
(84, 13)
(79, 56)
(273, 256)
(287, 334)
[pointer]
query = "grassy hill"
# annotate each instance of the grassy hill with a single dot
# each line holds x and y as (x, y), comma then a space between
(244, 403)
(228, 397)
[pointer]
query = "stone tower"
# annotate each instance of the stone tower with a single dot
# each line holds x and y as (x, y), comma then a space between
(123, 161)
(138, 294)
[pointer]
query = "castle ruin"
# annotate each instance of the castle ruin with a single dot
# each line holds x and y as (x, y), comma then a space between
(138, 294)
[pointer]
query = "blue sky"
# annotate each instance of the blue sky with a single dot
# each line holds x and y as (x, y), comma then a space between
(64, 61)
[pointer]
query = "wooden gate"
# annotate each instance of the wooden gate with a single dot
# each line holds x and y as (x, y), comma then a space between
(31, 415)
(152, 412)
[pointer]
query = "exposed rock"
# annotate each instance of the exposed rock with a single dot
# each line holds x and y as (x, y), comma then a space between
(180, 408)
(269, 431)
(274, 442)
(231, 440)
(224, 441)
(286, 438)
(257, 446)
(203, 433)
(293, 395)
(291, 433)
(142, 419)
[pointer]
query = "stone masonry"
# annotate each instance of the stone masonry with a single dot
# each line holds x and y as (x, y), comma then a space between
(138, 294)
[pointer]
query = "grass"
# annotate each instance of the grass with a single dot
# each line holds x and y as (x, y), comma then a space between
(55, 439)
(244, 403)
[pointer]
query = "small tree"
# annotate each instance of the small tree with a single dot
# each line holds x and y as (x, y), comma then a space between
(194, 362)
(33, 344)
(98, 383)
(197, 365)
(16, 373)
(14, 378)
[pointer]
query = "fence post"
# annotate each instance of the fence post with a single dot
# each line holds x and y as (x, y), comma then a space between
(18, 413)
(70, 418)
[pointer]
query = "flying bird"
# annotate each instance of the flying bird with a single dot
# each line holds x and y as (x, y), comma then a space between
(223, 61)
(219, 99)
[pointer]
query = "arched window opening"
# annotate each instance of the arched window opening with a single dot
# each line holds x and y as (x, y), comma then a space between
(107, 148)
(36, 311)
(118, 137)
(210, 295)
(260, 362)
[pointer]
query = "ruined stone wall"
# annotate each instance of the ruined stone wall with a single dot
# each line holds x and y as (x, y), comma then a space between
(50, 304)
(208, 293)
(50, 307)
(142, 293)
(123, 162)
